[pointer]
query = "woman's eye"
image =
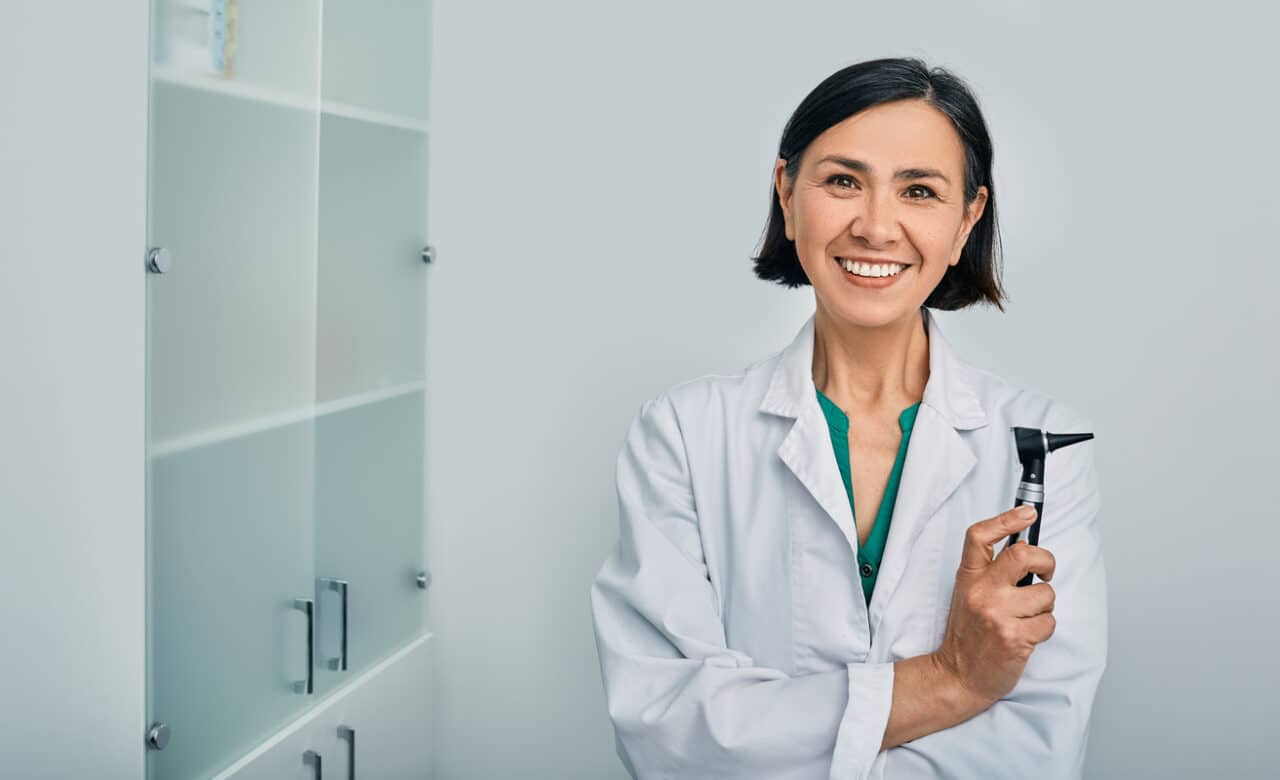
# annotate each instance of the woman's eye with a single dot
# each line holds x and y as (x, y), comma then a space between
(926, 192)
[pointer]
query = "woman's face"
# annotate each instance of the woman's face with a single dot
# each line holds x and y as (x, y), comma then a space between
(887, 183)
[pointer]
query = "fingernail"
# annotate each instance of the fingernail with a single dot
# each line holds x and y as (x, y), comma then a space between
(1027, 511)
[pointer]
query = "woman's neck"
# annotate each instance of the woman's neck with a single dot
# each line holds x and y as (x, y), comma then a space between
(868, 368)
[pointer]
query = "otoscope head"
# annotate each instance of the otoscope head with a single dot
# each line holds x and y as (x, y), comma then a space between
(1034, 444)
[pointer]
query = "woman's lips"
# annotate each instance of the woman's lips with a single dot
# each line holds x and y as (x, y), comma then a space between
(872, 282)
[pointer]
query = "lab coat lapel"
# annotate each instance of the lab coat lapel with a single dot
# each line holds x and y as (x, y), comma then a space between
(806, 449)
(807, 452)
(937, 460)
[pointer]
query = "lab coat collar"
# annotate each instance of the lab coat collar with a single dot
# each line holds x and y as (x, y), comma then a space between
(951, 389)
(938, 458)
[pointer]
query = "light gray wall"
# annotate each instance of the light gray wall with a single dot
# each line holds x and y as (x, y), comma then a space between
(72, 338)
(600, 175)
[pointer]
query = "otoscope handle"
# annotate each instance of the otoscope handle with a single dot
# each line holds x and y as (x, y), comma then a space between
(1032, 533)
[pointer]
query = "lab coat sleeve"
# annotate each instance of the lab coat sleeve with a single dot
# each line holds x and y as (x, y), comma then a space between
(1040, 729)
(683, 704)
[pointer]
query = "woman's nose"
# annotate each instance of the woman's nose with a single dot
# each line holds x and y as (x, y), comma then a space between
(875, 220)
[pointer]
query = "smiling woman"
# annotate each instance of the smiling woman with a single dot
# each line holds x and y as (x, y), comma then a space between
(803, 584)
(889, 162)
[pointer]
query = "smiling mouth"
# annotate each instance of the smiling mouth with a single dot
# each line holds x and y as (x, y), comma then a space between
(901, 267)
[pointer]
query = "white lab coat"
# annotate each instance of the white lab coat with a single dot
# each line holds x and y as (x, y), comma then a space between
(733, 634)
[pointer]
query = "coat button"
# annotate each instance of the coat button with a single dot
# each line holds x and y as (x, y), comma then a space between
(866, 570)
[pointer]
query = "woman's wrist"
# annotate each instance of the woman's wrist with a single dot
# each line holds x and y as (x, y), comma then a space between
(959, 697)
(926, 698)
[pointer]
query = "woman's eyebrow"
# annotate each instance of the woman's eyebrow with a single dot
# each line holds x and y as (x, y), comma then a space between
(901, 173)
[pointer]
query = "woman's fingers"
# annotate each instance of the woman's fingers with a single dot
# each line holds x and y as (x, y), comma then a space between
(1033, 600)
(1018, 560)
(980, 539)
(1041, 627)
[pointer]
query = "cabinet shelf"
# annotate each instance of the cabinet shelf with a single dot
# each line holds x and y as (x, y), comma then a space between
(211, 436)
(277, 97)
(237, 89)
(335, 108)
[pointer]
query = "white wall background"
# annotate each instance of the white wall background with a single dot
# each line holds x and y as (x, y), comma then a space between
(73, 141)
(600, 175)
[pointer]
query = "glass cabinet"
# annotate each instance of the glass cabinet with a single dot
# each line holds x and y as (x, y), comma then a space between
(285, 361)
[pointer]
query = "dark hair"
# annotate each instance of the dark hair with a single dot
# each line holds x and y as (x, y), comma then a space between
(976, 278)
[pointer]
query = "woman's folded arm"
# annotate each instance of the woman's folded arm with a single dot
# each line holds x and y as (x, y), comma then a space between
(683, 704)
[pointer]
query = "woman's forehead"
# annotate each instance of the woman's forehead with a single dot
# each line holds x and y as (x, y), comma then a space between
(890, 136)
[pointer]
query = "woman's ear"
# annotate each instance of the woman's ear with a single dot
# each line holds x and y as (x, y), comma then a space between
(783, 188)
(973, 213)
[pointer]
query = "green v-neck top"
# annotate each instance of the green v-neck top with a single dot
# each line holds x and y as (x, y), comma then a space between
(869, 556)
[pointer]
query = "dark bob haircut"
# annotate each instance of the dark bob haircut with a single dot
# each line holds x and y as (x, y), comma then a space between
(976, 278)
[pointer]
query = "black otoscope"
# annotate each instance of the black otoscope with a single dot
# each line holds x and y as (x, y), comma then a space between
(1033, 446)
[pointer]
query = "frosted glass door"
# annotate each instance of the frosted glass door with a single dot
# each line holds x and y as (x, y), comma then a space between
(370, 378)
(286, 367)
(231, 378)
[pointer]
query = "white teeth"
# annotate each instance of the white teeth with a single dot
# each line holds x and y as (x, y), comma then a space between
(872, 270)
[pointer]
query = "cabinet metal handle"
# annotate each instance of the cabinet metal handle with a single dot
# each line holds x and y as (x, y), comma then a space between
(313, 758)
(342, 586)
(308, 685)
(349, 734)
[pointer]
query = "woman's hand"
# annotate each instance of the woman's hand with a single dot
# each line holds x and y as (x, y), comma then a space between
(994, 625)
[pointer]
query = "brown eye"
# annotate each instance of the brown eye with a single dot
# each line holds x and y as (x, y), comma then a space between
(832, 179)
(930, 192)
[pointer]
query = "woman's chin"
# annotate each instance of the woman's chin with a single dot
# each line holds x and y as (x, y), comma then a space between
(872, 314)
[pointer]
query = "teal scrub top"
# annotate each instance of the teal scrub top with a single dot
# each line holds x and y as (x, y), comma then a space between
(838, 423)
